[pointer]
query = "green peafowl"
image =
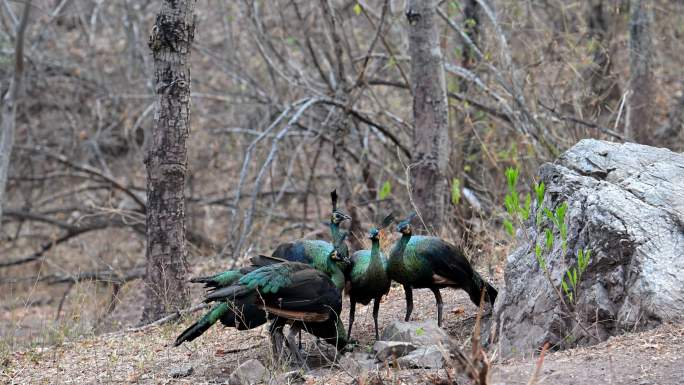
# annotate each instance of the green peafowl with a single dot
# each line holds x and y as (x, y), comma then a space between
(291, 293)
(368, 278)
(430, 262)
(311, 251)
(332, 259)
(246, 316)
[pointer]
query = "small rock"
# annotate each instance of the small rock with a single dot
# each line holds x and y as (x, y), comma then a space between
(291, 377)
(386, 349)
(250, 372)
(424, 333)
(357, 366)
(360, 356)
(430, 357)
(181, 371)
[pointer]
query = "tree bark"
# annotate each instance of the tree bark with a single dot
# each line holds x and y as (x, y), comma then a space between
(166, 161)
(430, 113)
(9, 107)
(599, 76)
(640, 104)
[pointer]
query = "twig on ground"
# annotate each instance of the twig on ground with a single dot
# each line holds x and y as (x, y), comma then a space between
(169, 318)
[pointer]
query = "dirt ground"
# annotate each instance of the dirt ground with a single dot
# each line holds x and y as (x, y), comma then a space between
(147, 357)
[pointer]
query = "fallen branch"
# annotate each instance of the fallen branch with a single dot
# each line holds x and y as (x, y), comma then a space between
(107, 276)
(169, 318)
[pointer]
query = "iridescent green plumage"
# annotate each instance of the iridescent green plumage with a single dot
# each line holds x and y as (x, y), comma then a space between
(329, 258)
(368, 277)
(430, 262)
(317, 253)
(292, 293)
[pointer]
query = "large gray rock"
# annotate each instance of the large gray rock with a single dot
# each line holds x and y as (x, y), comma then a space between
(430, 357)
(626, 204)
(250, 372)
(418, 333)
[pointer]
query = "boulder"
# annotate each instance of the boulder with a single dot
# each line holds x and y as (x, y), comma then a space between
(250, 372)
(418, 333)
(386, 349)
(626, 205)
(429, 357)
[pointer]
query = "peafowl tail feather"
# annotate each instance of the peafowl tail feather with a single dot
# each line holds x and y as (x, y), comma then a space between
(198, 328)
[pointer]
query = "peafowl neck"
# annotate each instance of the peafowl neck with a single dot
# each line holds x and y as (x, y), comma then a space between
(402, 244)
(375, 259)
(337, 277)
(341, 338)
(337, 234)
(397, 255)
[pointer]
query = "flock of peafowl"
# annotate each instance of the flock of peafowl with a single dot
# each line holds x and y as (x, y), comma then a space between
(302, 282)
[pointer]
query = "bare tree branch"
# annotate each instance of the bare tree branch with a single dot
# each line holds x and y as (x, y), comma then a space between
(10, 102)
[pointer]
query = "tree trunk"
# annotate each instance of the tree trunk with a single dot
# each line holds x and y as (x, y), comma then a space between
(602, 83)
(9, 107)
(166, 160)
(640, 104)
(430, 113)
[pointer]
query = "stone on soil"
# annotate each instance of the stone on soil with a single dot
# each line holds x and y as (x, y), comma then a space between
(250, 372)
(418, 333)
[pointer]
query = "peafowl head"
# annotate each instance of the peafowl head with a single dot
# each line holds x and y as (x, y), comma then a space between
(337, 255)
(404, 226)
(374, 234)
(337, 216)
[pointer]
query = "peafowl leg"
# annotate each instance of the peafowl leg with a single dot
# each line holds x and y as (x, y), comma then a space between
(292, 345)
(276, 332)
(352, 310)
(440, 305)
(409, 302)
(376, 310)
(300, 339)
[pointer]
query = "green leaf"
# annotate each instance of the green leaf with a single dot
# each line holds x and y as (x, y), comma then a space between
(549, 215)
(357, 9)
(560, 213)
(540, 257)
(512, 178)
(455, 191)
(420, 331)
(511, 207)
(549, 238)
(539, 191)
(526, 209)
(508, 226)
(385, 190)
